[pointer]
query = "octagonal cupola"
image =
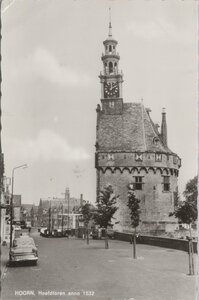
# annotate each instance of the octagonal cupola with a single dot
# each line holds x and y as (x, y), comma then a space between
(111, 78)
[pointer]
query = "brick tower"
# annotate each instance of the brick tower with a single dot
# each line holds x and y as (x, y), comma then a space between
(131, 150)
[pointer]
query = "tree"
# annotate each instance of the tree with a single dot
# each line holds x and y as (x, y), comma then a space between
(134, 207)
(186, 212)
(87, 216)
(191, 191)
(106, 208)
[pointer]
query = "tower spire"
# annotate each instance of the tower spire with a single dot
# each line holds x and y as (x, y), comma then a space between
(110, 27)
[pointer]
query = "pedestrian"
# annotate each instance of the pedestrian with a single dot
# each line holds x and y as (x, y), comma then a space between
(29, 229)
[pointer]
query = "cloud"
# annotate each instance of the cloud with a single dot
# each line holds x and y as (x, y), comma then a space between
(43, 64)
(47, 146)
(47, 66)
(162, 30)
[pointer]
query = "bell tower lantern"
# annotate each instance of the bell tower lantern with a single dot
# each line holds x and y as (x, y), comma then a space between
(111, 78)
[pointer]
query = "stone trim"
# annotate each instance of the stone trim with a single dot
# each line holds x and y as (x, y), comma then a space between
(139, 169)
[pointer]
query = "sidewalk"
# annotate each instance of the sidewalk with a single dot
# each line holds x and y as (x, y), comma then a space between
(4, 259)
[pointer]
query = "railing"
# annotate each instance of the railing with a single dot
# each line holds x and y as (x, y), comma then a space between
(177, 244)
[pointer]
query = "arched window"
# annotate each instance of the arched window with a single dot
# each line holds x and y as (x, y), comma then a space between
(110, 67)
(110, 48)
(115, 64)
(106, 69)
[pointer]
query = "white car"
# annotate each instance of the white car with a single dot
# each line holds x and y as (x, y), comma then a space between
(17, 227)
(24, 249)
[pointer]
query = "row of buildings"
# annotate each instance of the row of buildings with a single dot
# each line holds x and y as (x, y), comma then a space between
(53, 212)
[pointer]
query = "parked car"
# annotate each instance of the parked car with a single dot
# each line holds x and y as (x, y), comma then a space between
(24, 249)
(28, 224)
(44, 231)
(59, 233)
(17, 227)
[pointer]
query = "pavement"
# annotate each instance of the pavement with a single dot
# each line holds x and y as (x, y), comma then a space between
(70, 269)
(4, 259)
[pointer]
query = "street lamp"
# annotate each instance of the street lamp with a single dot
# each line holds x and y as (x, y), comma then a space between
(11, 201)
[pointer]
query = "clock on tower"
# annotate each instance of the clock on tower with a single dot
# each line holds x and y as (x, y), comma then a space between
(111, 89)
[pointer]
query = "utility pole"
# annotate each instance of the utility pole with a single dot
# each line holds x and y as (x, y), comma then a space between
(68, 209)
(67, 195)
(11, 203)
(62, 220)
(49, 221)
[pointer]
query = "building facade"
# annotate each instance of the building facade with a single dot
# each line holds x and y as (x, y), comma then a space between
(130, 150)
(58, 210)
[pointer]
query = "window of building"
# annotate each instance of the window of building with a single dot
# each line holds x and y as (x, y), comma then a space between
(110, 67)
(111, 104)
(166, 183)
(175, 159)
(156, 141)
(138, 156)
(138, 183)
(110, 48)
(158, 157)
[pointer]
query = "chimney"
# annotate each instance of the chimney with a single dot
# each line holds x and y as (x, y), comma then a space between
(164, 128)
(81, 199)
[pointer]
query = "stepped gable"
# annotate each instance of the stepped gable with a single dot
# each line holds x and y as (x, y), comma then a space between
(133, 130)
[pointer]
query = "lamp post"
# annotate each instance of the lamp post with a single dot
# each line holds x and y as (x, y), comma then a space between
(11, 201)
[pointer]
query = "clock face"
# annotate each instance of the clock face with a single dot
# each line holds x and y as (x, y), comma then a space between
(111, 90)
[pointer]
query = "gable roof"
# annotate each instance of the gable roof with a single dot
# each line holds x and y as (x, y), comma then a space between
(133, 130)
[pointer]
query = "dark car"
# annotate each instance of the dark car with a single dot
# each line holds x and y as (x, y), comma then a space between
(24, 249)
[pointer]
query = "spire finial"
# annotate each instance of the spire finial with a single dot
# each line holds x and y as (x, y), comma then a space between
(110, 27)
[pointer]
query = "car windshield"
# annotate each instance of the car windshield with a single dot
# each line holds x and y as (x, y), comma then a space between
(23, 242)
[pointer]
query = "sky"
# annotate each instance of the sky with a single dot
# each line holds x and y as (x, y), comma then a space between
(51, 60)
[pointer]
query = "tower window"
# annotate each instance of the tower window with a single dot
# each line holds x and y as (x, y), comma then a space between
(110, 48)
(110, 67)
(138, 156)
(156, 140)
(166, 183)
(111, 104)
(138, 183)
(175, 160)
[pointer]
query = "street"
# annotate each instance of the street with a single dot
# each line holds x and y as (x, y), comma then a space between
(71, 269)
